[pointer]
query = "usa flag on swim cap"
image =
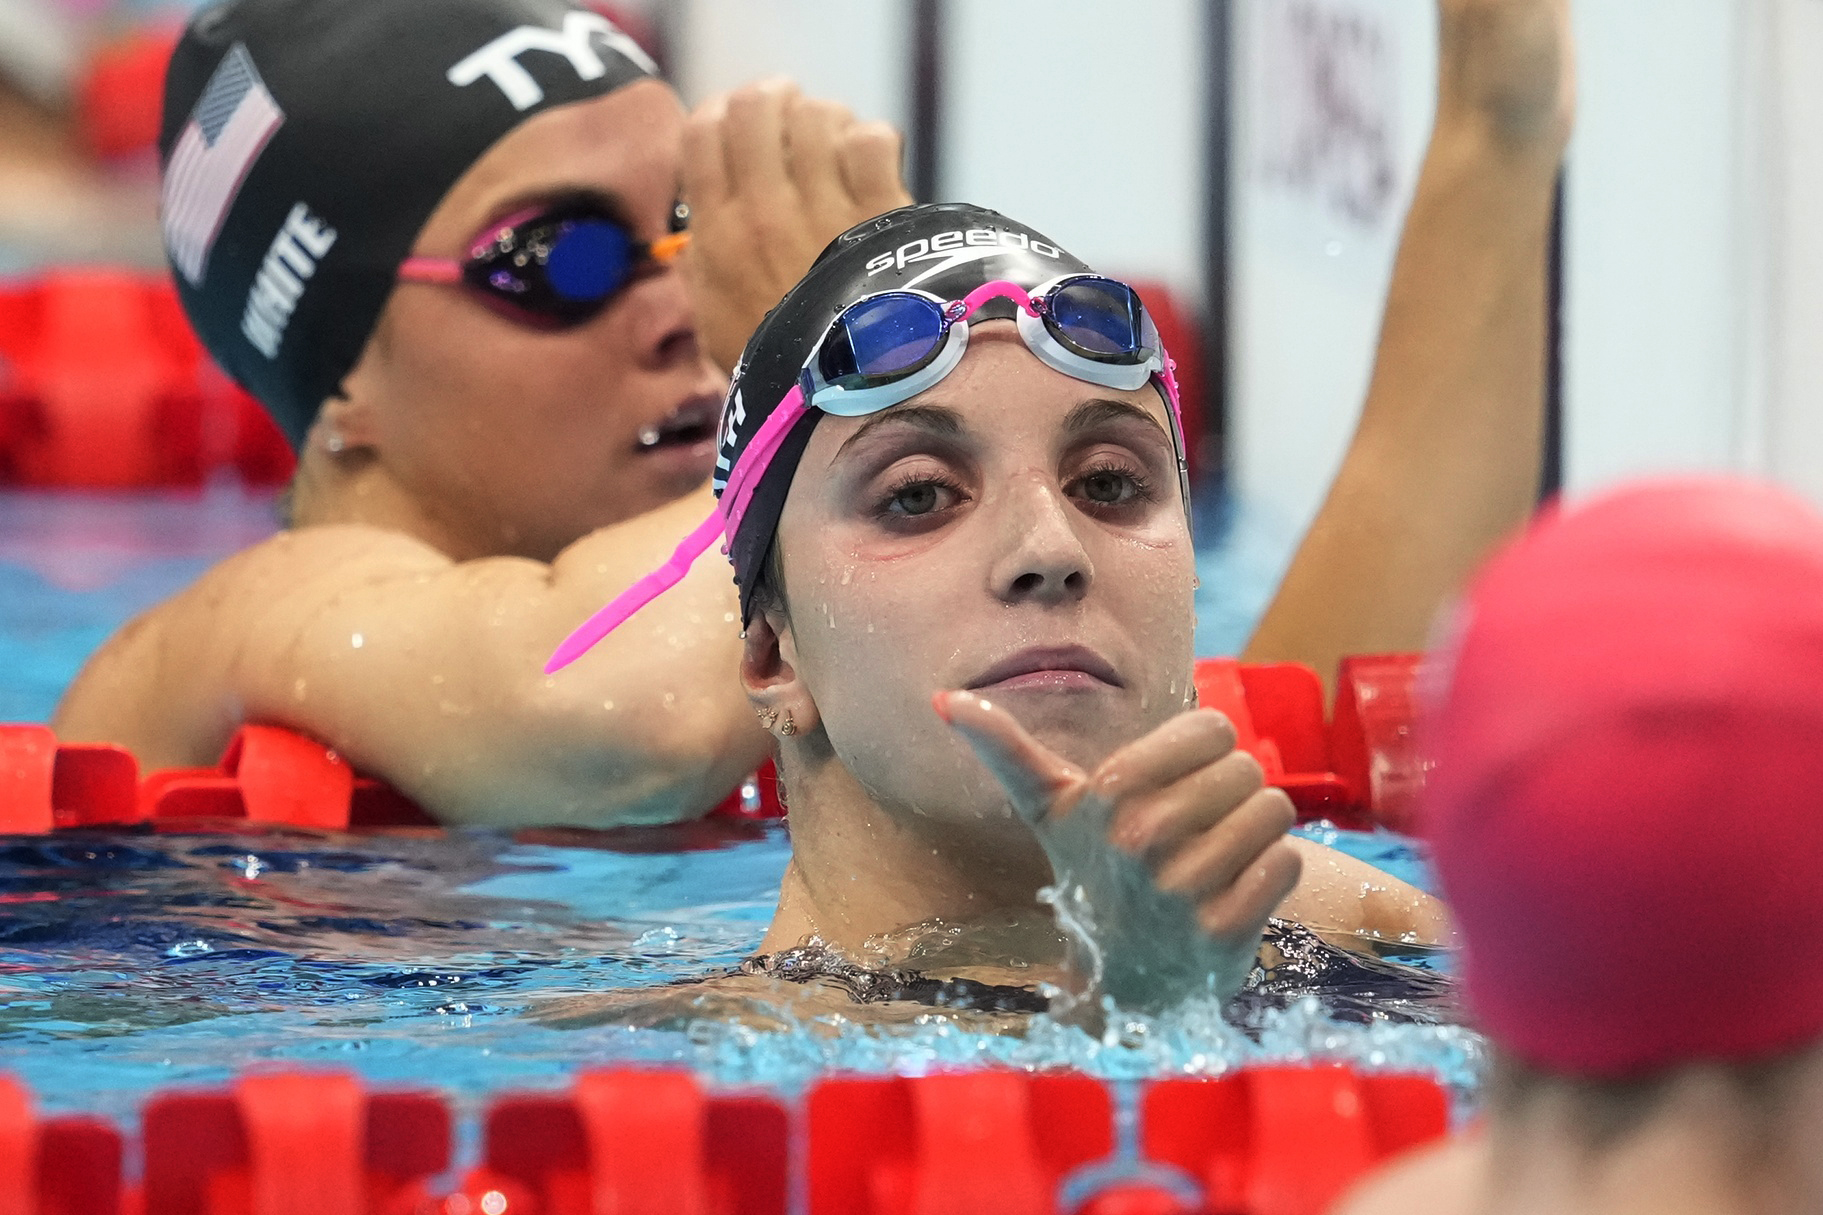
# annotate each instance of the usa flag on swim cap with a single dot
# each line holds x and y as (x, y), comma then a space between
(233, 121)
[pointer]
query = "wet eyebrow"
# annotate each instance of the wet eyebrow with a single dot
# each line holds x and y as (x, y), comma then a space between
(1093, 413)
(932, 419)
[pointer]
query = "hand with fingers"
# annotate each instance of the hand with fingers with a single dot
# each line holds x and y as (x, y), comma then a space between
(771, 177)
(1169, 857)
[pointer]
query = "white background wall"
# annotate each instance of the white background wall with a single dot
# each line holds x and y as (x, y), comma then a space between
(1320, 184)
(1109, 164)
(1694, 226)
(856, 51)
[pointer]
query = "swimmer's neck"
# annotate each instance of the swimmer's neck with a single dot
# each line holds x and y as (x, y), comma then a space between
(860, 872)
(1700, 1153)
(357, 489)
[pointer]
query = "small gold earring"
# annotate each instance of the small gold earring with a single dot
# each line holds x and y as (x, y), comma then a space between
(790, 727)
(768, 718)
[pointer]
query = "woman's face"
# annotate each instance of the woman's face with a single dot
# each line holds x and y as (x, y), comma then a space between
(1012, 531)
(523, 438)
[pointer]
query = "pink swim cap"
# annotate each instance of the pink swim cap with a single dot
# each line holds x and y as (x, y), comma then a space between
(1627, 804)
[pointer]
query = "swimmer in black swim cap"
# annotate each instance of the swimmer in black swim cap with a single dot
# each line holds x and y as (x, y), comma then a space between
(442, 249)
(960, 446)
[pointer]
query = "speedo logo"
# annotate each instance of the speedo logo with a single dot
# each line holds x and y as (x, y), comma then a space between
(973, 244)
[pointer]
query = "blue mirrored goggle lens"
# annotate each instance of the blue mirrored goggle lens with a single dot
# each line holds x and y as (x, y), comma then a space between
(588, 260)
(881, 339)
(1100, 319)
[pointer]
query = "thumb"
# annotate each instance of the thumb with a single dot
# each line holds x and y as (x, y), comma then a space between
(1039, 782)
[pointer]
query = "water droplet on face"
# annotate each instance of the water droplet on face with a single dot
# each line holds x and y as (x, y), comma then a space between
(848, 575)
(649, 436)
(357, 641)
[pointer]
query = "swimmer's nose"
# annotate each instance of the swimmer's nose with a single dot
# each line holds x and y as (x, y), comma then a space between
(1043, 559)
(664, 328)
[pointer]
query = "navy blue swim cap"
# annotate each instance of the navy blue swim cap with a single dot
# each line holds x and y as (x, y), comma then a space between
(306, 142)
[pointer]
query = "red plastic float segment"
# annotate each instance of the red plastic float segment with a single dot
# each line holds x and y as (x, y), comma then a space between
(1373, 741)
(287, 778)
(28, 760)
(1219, 686)
(991, 1140)
(59, 1166)
(103, 385)
(272, 775)
(1361, 769)
(122, 93)
(1285, 700)
(95, 785)
(1287, 1140)
(44, 785)
(642, 1142)
(757, 800)
(18, 1149)
(290, 1143)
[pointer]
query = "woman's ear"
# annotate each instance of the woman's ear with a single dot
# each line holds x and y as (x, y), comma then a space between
(347, 421)
(769, 674)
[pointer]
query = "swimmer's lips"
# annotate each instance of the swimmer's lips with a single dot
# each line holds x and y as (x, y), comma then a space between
(1049, 668)
(689, 425)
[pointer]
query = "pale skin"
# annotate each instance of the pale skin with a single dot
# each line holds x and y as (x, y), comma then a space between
(489, 493)
(1706, 1148)
(980, 672)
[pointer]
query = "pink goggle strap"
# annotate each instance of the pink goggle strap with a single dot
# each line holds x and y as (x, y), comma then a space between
(724, 520)
(430, 270)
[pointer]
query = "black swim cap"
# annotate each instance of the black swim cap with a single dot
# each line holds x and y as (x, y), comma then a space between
(306, 142)
(947, 249)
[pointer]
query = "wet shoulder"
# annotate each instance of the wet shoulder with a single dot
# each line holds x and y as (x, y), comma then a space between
(163, 685)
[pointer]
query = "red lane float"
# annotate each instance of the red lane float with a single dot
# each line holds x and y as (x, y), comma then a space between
(121, 96)
(642, 1143)
(55, 1166)
(1362, 768)
(1268, 1141)
(291, 1143)
(104, 386)
(1287, 1140)
(267, 775)
(953, 1142)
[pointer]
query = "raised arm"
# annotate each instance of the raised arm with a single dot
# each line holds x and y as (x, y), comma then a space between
(1445, 461)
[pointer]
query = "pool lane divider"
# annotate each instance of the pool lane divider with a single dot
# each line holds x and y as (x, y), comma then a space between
(1278, 1140)
(1360, 769)
(267, 775)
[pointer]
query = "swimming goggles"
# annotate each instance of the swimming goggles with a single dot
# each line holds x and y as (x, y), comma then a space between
(554, 267)
(885, 349)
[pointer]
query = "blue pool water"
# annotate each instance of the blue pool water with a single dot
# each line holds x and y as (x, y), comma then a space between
(132, 961)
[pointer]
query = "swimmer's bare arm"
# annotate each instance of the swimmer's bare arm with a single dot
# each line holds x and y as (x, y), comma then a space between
(1445, 461)
(428, 673)
(1357, 906)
